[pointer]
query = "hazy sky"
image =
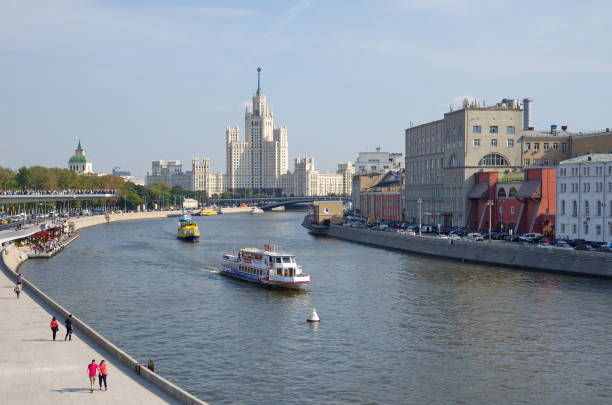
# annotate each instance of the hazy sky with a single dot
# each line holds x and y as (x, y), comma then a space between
(140, 80)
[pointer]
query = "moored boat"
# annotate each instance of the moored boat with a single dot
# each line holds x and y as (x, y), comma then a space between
(265, 267)
(256, 210)
(187, 229)
(206, 212)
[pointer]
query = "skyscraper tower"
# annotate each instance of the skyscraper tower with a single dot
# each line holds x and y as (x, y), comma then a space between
(257, 162)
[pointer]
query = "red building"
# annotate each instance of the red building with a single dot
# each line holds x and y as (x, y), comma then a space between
(383, 199)
(522, 202)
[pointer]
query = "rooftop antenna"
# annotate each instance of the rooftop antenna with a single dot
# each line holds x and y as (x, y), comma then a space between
(259, 80)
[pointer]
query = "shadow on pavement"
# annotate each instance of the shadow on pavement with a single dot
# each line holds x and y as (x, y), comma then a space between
(81, 390)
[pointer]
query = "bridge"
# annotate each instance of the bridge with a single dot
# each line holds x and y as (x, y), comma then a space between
(29, 198)
(267, 203)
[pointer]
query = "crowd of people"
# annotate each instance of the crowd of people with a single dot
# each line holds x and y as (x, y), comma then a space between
(55, 192)
(50, 243)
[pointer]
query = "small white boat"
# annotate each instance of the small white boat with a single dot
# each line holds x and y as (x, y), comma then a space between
(265, 267)
(256, 210)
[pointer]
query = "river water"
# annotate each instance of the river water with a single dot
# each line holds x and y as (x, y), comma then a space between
(395, 328)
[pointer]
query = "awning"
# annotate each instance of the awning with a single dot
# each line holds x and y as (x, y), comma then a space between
(480, 190)
(530, 189)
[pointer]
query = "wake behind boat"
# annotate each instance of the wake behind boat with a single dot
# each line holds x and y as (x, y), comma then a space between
(265, 267)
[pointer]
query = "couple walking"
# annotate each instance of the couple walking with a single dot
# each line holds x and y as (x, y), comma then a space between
(55, 327)
(102, 370)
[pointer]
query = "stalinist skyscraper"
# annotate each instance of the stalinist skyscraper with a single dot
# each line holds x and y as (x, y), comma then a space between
(257, 162)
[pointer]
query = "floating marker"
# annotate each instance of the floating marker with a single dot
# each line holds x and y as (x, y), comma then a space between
(313, 316)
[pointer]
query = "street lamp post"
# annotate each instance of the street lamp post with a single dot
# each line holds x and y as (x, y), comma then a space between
(490, 204)
(420, 202)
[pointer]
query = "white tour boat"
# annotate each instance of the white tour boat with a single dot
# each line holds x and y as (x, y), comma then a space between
(256, 210)
(265, 267)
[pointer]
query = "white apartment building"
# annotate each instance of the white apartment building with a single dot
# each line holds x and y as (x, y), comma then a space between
(584, 198)
(442, 157)
(306, 181)
(258, 161)
(378, 162)
(200, 178)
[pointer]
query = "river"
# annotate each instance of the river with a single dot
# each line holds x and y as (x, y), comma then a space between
(395, 328)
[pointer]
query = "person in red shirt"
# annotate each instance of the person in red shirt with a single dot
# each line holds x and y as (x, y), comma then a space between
(102, 374)
(54, 327)
(91, 369)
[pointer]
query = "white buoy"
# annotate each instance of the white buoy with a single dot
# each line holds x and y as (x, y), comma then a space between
(313, 316)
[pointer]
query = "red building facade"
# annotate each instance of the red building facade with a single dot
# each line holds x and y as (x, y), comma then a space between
(521, 202)
(383, 199)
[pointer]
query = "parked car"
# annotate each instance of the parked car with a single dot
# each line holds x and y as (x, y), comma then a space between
(604, 248)
(562, 245)
(474, 236)
(512, 238)
(583, 246)
(530, 237)
(454, 236)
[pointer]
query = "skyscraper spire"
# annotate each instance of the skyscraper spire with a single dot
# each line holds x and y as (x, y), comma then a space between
(258, 80)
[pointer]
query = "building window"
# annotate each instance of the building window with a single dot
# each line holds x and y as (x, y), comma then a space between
(493, 159)
(510, 143)
(586, 229)
(574, 229)
(476, 129)
(527, 162)
(545, 163)
(598, 230)
(586, 187)
(574, 209)
(510, 129)
(528, 146)
(555, 162)
(599, 207)
(562, 228)
(587, 209)
(555, 146)
(494, 142)
(546, 146)
(562, 207)
(563, 146)
(511, 210)
(536, 146)
(501, 193)
(493, 129)
(512, 192)
(476, 143)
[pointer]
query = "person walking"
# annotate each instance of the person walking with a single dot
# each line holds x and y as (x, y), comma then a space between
(68, 323)
(102, 375)
(54, 327)
(17, 289)
(92, 368)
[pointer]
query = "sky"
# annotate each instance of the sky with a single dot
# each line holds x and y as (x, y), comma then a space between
(142, 80)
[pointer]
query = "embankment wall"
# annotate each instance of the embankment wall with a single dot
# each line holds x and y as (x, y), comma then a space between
(503, 254)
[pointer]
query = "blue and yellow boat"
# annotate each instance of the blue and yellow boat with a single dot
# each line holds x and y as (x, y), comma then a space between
(187, 229)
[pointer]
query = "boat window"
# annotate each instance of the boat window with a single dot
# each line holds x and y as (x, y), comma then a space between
(278, 260)
(279, 272)
(286, 260)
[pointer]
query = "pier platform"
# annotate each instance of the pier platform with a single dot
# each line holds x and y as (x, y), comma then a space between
(37, 370)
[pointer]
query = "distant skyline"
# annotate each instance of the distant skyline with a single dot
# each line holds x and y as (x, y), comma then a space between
(139, 80)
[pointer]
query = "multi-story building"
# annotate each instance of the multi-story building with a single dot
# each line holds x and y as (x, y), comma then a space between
(584, 198)
(80, 162)
(382, 200)
(306, 181)
(442, 157)
(200, 178)
(548, 148)
(258, 161)
(378, 162)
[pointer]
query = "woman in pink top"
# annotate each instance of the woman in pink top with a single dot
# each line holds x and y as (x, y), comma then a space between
(54, 327)
(91, 369)
(102, 374)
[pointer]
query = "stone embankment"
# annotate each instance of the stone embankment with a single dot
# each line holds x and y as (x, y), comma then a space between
(501, 254)
(164, 390)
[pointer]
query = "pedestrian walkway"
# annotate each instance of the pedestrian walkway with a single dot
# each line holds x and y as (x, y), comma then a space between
(37, 370)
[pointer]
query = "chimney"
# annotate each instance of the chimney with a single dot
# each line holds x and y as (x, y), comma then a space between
(526, 113)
